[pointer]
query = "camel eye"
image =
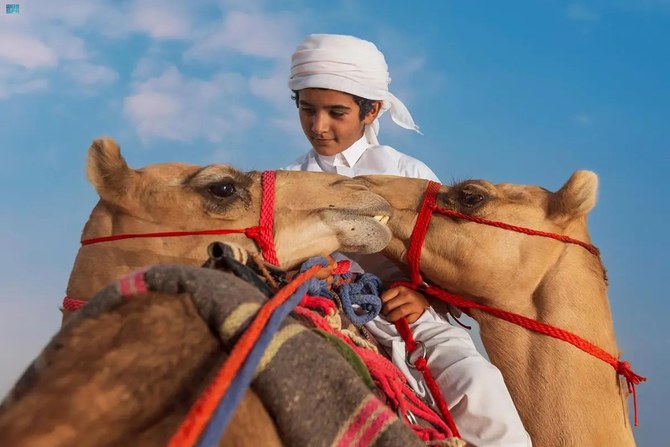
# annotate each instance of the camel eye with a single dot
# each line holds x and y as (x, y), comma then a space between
(471, 198)
(223, 189)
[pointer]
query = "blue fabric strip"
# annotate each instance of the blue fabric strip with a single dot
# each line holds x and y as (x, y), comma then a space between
(217, 425)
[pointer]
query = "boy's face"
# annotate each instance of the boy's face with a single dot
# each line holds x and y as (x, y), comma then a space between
(330, 119)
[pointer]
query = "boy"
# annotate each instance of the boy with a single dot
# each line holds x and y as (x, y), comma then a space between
(340, 86)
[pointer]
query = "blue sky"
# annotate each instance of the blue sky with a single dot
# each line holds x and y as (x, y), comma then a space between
(522, 92)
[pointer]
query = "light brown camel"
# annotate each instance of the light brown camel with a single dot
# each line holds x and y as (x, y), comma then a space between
(565, 397)
(125, 371)
(127, 377)
(314, 214)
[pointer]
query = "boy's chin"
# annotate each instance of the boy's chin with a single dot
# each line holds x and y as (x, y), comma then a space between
(327, 149)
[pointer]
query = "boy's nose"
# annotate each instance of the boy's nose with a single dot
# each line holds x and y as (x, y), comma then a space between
(319, 124)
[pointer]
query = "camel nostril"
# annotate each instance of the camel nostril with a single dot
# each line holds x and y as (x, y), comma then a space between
(218, 250)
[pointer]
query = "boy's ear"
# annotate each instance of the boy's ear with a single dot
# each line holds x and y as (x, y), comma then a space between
(374, 113)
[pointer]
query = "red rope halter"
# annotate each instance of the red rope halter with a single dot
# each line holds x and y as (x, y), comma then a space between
(261, 234)
(428, 207)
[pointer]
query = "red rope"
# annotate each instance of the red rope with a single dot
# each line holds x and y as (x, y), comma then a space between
(419, 232)
(198, 416)
(342, 266)
(529, 231)
(266, 237)
(251, 232)
(422, 365)
(428, 206)
(262, 234)
(389, 380)
(413, 261)
(72, 304)
(317, 303)
(622, 368)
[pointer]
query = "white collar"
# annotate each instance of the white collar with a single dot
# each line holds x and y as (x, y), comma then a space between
(350, 155)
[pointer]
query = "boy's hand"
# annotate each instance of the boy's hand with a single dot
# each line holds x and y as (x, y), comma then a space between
(403, 302)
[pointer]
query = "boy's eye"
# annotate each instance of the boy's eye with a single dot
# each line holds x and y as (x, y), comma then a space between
(337, 113)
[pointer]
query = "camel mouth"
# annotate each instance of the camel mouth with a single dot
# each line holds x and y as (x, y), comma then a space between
(359, 230)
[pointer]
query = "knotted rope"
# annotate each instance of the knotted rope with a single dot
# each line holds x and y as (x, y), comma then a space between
(363, 292)
(386, 376)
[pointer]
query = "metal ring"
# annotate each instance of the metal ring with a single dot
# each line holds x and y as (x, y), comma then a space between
(409, 416)
(408, 355)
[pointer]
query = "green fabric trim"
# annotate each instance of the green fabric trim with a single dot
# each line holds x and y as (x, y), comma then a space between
(350, 356)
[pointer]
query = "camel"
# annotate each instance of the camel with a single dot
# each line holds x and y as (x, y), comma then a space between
(126, 369)
(314, 214)
(565, 397)
(126, 377)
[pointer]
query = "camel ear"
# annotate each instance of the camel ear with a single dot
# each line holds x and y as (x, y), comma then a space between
(576, 198)
(106, 169)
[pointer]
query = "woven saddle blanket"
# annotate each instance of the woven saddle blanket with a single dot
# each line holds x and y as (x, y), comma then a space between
(312, 392)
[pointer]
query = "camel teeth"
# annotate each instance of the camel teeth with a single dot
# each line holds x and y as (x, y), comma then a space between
(382, 219)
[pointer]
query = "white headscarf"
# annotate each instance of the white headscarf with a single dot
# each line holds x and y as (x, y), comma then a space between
(351, 65)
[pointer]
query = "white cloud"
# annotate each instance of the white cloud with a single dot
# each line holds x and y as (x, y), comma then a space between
(160, 19)
(19, 48)
(43, 42)
(91, 74)
(408, 66)
(46, 34)
(270, 36)
(64, 44)
(17, 81)
(244, 5)
(174, 107)
(153, 114)
(30, 86)
(402, 77)
(73, 14)
(273, 88)
(581, 12)
(148, 67)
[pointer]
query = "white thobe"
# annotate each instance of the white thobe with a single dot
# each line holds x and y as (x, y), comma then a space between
(474, 389)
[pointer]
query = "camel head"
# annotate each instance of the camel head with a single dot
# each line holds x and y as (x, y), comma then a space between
(478, 260)
(564, 395)
(314, 215)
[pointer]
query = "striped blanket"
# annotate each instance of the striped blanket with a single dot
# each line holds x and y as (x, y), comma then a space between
(311, 391)
(313, 394)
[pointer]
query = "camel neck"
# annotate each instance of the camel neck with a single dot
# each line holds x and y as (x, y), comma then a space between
(587, 402)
